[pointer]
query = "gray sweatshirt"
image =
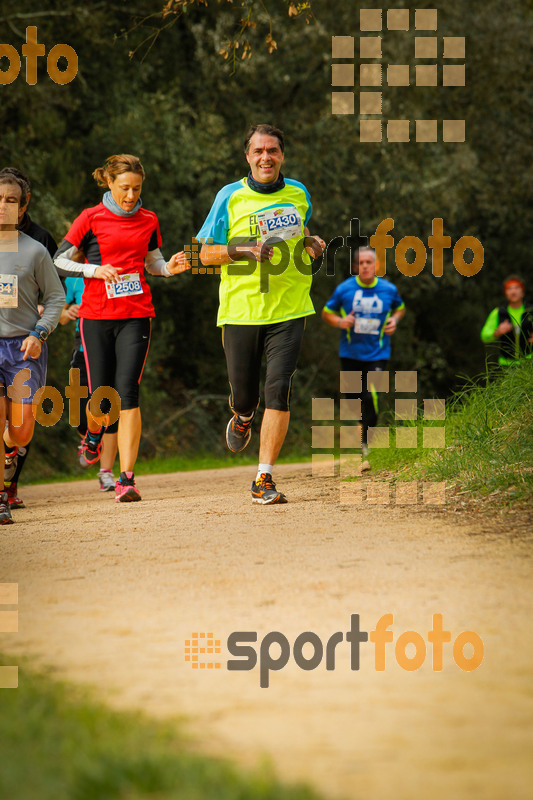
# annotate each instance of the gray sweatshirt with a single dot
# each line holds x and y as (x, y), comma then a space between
(35, 276)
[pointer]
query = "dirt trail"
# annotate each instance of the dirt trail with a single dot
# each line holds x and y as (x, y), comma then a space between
(109, 593)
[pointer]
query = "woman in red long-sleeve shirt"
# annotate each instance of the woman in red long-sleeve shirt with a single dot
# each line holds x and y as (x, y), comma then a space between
(120, 240)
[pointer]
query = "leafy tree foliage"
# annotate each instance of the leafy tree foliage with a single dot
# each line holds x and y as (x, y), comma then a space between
(171, 85)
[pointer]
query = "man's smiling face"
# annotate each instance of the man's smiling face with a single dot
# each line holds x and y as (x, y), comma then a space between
(265, 157)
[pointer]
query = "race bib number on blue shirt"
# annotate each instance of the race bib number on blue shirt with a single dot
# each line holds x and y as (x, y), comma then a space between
(283, 223)
(9, 294)
(126, 286)
(366, 325)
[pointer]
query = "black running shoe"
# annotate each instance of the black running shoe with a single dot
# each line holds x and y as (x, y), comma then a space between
(10, 463)
(5, 513)
(264, 491)
(89, 451)
(238, 433)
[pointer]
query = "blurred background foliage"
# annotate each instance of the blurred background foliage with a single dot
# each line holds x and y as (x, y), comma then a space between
(174, 100)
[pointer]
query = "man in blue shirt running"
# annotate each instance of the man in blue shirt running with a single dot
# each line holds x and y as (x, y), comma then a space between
(367, 309)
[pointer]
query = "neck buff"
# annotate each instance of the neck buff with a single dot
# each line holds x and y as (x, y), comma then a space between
(25, 223)
(266, 188)
(110, 204)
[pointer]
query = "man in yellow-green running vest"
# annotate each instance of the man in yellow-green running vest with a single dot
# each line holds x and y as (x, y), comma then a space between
(511, 325)
(257, 233)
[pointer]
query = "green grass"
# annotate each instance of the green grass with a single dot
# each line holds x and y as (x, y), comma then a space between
(488, 453)
(186, 464)
(489, 441)
(56, 742)
(159, 466)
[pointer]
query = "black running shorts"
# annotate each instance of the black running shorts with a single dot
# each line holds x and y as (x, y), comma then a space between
(115, 354)
(369, 411)
(244, 346)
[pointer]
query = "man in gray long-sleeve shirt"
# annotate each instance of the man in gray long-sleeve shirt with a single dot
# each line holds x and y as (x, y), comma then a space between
(26, 271)
(16, 458)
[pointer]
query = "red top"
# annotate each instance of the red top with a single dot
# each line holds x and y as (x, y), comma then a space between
(123, 242)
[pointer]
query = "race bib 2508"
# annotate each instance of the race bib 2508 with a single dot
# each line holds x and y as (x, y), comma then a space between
(284, 223)
(126, 286)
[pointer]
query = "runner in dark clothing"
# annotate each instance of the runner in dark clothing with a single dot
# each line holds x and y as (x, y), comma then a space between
(511, 325)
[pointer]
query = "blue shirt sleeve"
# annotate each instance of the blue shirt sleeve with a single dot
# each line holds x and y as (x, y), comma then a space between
(307, 197)
(397, 301)
(216, 226)
(74, 287)
(309, 206)
(335, 301)
(309, 212)
(69, 290)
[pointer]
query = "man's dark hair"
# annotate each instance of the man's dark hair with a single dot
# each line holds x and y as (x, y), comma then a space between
(15, 176)
(265, 130)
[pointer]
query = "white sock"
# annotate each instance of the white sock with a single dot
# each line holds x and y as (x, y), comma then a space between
(263, 468)
(245, 419)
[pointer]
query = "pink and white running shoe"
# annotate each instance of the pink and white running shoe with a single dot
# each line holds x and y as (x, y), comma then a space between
(125, 489)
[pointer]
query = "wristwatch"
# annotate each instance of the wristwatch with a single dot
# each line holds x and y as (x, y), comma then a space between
(40, 333)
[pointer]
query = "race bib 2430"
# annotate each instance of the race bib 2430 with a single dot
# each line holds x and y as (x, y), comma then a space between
(284, 223)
